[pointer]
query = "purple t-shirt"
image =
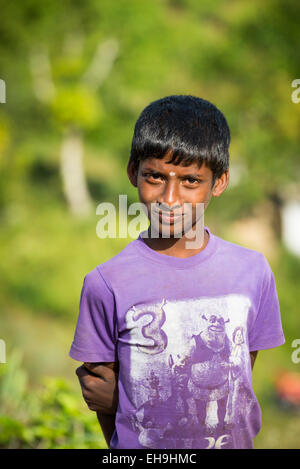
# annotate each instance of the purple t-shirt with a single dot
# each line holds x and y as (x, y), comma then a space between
(181, 329)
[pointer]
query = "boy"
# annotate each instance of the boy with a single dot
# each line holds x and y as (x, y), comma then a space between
(180, 325)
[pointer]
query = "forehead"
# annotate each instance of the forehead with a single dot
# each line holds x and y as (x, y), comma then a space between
(163, 166)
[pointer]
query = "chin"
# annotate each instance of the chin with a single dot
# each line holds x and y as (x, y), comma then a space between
(171, 232)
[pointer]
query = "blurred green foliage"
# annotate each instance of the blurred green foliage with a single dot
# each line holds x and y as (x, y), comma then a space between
(75, 107)
(242, 56)
(51, 417)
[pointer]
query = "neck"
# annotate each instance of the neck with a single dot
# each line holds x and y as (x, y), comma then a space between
(177, 247)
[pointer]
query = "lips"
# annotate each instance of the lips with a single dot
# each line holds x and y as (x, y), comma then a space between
(169, 216)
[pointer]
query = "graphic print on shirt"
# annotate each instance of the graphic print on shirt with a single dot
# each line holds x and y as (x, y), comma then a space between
(188, 376)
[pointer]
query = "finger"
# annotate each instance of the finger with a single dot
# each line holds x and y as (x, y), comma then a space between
(81, 371)
(98, 365)
(84, 375)
(86, 379)
(100, 370)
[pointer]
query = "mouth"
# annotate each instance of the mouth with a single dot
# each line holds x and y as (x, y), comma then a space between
(169, 217)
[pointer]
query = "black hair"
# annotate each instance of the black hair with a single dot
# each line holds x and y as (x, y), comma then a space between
(191, 129)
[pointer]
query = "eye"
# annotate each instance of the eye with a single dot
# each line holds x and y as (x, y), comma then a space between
(153, 176)
(191, 180)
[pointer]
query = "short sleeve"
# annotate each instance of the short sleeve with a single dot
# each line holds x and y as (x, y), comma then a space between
(267, 329)
(95, 334)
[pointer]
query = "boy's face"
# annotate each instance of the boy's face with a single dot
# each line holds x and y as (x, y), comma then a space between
(169, 186)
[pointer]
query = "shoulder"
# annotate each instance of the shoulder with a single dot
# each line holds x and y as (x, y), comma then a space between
(103, 275)
(243, 263)
(241, 255)
(95, 288)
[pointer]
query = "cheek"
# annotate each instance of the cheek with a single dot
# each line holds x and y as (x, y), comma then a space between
(145, 196)
(148, 193)
(201, 194)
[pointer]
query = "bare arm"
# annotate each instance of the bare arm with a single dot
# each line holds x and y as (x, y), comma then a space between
(100, 391)
(107, 424)
(253, 356)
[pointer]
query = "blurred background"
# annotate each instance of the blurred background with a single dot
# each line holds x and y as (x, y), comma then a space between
(77, 76)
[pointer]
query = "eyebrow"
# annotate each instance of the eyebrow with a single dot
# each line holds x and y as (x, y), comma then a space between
(191, 175)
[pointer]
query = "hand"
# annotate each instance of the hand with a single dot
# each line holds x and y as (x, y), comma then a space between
(99, 388)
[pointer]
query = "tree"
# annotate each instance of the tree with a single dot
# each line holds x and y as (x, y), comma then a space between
(74, 108)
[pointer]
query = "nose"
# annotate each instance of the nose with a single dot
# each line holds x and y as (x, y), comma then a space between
(169, 199)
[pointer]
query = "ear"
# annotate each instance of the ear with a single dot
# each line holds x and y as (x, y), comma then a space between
(221, 184)
(132, 173)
